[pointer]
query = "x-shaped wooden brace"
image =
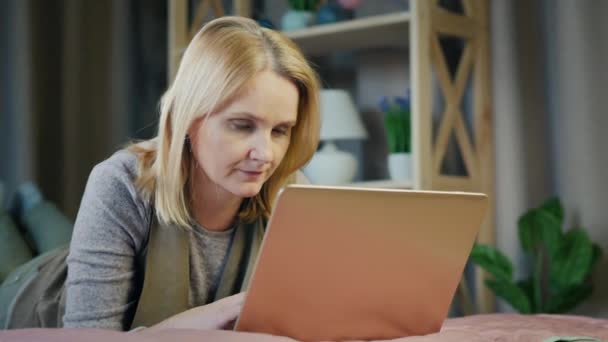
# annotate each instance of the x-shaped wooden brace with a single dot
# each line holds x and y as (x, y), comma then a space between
(452, 117)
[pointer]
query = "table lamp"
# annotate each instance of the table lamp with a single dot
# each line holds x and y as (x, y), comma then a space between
(339, 121)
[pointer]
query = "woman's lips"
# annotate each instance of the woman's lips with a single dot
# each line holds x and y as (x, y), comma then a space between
(252, 174)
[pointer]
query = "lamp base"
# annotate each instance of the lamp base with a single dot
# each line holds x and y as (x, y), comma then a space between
(330, 166)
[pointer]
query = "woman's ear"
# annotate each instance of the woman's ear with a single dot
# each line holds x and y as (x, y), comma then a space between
(192, 131)
(188, 143)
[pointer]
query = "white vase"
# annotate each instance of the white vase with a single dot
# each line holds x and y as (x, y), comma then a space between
(295, 20)
(331, 166)
(399, 166)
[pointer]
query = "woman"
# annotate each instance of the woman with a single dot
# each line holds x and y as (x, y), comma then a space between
(237, 123)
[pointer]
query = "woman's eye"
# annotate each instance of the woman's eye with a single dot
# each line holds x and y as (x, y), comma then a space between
(281, 131)
(241, 126)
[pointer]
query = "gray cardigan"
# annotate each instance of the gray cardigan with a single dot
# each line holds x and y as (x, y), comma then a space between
(110, 231)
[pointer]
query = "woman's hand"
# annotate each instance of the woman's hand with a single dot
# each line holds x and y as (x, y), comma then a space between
(217, 315)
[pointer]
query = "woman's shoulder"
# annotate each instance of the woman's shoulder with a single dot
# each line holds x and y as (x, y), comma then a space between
(121, 163)
(117, 176)
(127, 158)
(111, 204)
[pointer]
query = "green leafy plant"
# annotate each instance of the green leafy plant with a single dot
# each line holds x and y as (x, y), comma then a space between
(397, 123)
(561, 263)
(304, 5)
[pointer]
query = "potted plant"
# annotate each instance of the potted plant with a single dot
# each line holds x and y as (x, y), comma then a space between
(561, 263)
(397, 124)
(299, 14)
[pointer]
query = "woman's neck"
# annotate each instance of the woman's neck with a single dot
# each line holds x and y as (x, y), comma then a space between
(213, 207)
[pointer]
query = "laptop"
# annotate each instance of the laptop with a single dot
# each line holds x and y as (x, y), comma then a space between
(359, 264)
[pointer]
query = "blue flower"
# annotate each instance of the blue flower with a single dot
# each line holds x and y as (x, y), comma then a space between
(399, 103)
(402, 102)
(384, 104)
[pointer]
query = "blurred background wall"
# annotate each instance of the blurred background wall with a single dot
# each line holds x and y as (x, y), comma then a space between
(79, 79)
(550, 117)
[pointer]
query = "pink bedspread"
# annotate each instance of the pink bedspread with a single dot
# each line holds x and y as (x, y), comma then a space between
(496, 327)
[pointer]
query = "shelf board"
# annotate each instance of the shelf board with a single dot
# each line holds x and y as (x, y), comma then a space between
(383, 184)
(386, 30)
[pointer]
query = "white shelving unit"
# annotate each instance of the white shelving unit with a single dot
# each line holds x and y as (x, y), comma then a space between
(418, 29)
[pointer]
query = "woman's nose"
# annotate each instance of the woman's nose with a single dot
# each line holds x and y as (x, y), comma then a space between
(261, 148)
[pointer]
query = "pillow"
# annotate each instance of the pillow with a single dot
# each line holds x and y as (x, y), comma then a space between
(47, 226)
(14, 251)
(43, 225)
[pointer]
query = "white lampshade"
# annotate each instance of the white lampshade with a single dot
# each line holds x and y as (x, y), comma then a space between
(339, 116)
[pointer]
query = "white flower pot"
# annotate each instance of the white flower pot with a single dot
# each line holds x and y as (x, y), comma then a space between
(295, 20)
(330, 166)
(399, 166)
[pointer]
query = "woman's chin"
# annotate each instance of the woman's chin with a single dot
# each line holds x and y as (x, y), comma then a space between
(248, 190)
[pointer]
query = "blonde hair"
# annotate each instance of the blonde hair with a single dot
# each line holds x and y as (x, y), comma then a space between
(219, 61)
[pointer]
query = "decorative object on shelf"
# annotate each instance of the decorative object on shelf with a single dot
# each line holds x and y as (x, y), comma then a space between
(331, 11)
(397, 124)
(328, 13)
(348, 8)
(299, 15)
(339, 121)
(561, 263)
(350, 4)
(265, 22)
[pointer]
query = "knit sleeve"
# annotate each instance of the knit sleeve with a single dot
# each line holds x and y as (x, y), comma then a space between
(110, 230)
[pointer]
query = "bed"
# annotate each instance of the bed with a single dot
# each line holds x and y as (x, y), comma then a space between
(493, 327)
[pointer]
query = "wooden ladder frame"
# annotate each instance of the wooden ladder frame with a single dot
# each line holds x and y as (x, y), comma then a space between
(429, 21)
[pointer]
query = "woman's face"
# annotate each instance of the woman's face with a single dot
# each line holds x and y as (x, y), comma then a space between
(239, 147)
